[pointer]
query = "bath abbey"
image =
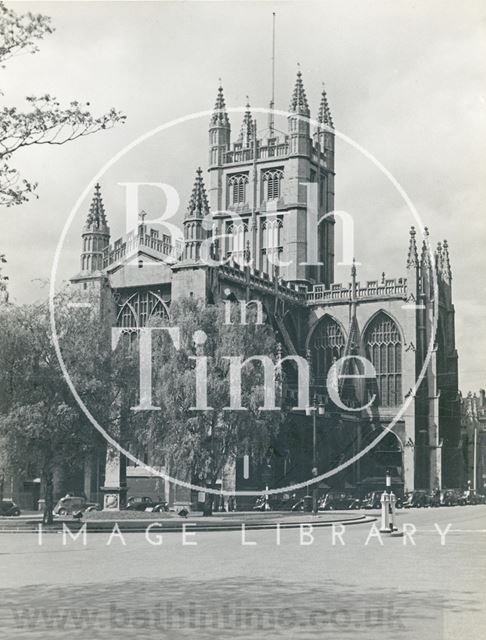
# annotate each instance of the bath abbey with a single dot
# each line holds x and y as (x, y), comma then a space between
(270, 242)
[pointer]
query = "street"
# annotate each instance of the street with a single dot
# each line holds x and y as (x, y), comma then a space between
(219, 588)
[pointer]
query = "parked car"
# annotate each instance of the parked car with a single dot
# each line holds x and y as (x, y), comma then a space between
(471, 497)
(146, 504)
(336, 500)
(372, 500)
(421, 498)
(355, 503)
(9, 508)
(69, 505)
(448, 498)
(278, 503)
(414, 499)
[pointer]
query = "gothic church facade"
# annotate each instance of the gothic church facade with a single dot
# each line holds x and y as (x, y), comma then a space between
(258, 197)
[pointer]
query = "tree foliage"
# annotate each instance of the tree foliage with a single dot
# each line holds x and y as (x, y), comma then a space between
(45, 121)
(198, 444)
(3, 280)
(41, 425)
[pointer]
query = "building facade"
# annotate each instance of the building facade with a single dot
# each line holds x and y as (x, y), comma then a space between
(474, 439)
(263, 230)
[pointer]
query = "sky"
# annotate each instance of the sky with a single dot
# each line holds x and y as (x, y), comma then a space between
(405, 81)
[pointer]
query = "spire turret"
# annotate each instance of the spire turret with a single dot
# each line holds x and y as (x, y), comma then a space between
(425, 254)
(426, 265)
(220, 115)
(446, 263)
(324, 116)
(246, 133)
(298, 102)
(96, 219)
(197, 209)
(299, 129)
(219, 132)
(438, 257)
(96, 235)
(412, 258)
(198, 204)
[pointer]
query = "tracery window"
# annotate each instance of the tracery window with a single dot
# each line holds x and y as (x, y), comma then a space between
(271, 242)
(384, 350)
(237, 188)
(272, 183)
(327, 346)
(238, 234)
(139, 308)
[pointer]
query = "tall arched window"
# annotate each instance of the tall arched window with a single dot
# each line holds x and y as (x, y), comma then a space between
(237, 189)
(384, 350)
(238, 233)
(272, 182)
(327, 345)
(139, 308)
(271, 242)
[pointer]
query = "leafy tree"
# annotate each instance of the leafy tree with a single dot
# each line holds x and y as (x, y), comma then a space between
(41, 424)
(45, 122)
(198, 444)
(3, 281)
(4, 467)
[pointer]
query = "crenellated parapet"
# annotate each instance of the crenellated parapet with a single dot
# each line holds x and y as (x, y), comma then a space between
(145, 240)
(373, 289)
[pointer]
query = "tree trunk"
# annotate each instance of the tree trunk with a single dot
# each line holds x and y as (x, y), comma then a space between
(208, 503)
(2, 483)
(48, 496)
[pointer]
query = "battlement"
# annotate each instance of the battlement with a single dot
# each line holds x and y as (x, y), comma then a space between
(316, 294)
(268, 149)
(149, 241)
(263, 282)
(389, 288)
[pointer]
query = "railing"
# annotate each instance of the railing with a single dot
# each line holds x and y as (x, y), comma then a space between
(318, 294)
(279, 150)
(388, 289)
(275, 150)
(161, 247)
(263, 282)
(238, 155)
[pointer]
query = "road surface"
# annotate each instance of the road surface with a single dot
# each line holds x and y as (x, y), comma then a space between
(288, 584)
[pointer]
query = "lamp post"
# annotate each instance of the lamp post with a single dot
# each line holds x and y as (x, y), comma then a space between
(475, 458)
(314, 410)
(388, 481)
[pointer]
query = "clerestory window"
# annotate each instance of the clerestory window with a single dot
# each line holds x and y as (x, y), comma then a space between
(272, 184)
(237, 188)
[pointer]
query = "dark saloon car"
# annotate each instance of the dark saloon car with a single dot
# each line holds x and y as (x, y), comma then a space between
(69, 505)
(336, 500)
(471, 497)
(278, 503)
(421, 498)
(146, 504)
(372, 500)
(448, 498)
(9, 508)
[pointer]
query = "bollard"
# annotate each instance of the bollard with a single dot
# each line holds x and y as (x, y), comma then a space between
(267, 505)
(385, 512)
(393, 501)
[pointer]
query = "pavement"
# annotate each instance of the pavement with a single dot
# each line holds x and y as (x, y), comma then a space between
(297, 583)
(99, 521)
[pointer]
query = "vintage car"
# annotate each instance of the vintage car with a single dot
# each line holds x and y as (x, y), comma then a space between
(146, 504)
(9, 508)
(69, 505)
(337, 500)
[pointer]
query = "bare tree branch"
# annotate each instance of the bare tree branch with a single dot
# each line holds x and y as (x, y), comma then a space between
(46, 122)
